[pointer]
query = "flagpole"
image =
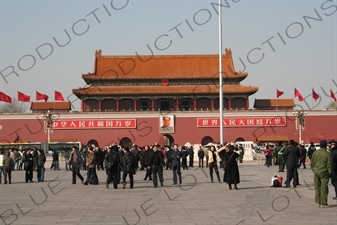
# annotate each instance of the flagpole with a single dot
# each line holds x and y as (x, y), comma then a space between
(220, 76)
(276, 98)
(312, 92)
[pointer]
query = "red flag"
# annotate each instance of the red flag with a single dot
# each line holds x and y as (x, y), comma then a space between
(40, 96)
(5, 98)
(58, 96)
(332, 95)
(298, 95)
(22, 97)
(279, 93)
(315, 95)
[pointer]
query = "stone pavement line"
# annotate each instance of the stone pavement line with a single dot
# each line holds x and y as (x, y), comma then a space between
(204, 203)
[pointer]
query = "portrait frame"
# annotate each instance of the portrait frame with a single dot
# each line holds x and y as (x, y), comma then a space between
(170, 129)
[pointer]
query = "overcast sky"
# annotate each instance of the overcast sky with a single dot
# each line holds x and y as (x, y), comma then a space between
(274, 41)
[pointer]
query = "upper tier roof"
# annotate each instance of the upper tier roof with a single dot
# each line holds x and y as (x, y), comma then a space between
(162, 90)
(162, 66)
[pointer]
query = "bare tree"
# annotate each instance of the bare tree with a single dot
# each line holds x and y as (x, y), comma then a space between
(15, 107)
(332, 105)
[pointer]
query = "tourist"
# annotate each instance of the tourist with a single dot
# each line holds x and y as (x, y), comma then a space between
(241, 154)
(128, 166)
(41, 160)
(231, 175)
(168, 156)
(8, 165)
(91, 167)
(34, 154)
(67, 160)
(213, 159)
(28, 165)
(20, 160)
(176, 156)
(334, 166)
(291, 156)
(156, 161)
(268, 154)
(148, 167)
(76, 162)
(321, 165)
(184, 154)
(311, 150)
(303, 156)
(1, 164)
(191, 156)
(99, 158)
(17, 158)
(201, 156)
(111, 165)
(55, 163)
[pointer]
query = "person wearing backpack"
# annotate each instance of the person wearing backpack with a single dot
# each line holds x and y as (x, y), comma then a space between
(111, 166)
(128, 166)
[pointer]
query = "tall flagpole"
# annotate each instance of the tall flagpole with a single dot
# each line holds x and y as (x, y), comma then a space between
(220, 76)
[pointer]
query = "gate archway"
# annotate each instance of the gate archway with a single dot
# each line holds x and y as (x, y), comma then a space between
(93, 142)
(207, 140)
(125, 142)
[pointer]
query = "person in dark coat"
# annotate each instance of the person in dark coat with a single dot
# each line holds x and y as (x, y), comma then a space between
(99, 158)
(201, 156)
(41, 160)
(291, 156)
(168, 155)
(156, 161)
(8, 165)
(76, 162)
(28, 165)
(91, 167)
(129, 165)
(184, 154)
(111, 165)
(231, 175)
(191, 156)
(303, 156)
(55, 164)
(311, 150)
(148, 167)
(176, 156)
(333, 153)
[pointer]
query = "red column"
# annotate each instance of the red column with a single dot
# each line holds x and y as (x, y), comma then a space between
(212, 104)
(152, 102)
(100, 105)
(247, 104)
(177, 104)
(135, 104)
(194, 104)
(117, 105)
(229, 103)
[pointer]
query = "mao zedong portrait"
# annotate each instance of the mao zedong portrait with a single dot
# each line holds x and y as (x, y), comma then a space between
(166, 125)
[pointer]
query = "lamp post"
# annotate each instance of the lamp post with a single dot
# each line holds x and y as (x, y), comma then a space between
(300, 123)
(220, 76)
(48, 123)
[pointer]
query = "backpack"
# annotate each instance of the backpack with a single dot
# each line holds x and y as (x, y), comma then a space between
(276, 181)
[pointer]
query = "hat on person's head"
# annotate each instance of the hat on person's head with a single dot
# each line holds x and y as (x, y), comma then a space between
(323, 143)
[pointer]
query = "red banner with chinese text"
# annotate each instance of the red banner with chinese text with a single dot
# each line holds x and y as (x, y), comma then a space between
(95, 124)
(243, 122)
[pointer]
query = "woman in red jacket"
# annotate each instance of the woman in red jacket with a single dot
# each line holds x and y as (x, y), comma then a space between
(269, 154)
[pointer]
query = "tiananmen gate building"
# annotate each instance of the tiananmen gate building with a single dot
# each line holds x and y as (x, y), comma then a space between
(140, 99)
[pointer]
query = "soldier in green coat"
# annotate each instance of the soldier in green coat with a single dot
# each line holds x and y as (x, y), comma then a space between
(321, 165)
(279, 149)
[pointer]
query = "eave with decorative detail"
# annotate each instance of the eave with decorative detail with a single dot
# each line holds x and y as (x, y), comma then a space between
(202, 90)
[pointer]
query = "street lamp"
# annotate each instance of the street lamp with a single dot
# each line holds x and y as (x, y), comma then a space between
(48, 123)
(300, 122)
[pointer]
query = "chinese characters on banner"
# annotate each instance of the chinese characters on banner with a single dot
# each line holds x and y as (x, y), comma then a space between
(243, 122)
(95, 124)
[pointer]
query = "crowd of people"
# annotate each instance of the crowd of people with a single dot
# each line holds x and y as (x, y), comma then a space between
(122, 163)
(323, 162)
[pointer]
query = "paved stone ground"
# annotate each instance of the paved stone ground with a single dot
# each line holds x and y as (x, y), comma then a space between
(196, 201)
